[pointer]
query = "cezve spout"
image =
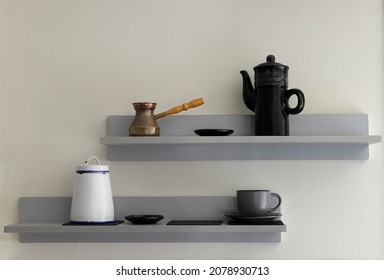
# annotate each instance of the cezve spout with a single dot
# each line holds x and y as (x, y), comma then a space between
(249, 96)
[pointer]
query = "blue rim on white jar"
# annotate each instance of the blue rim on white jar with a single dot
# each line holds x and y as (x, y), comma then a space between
(87, 168)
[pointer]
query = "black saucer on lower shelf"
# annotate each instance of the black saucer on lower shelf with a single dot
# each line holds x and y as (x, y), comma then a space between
(109, 223)
(260, 223)
(254, 219)
(144, 219)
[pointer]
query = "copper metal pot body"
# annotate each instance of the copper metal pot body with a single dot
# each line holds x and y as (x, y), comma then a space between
(144, 123)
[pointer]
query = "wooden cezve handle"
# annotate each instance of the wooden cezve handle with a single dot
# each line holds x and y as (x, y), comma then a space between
(184, 107)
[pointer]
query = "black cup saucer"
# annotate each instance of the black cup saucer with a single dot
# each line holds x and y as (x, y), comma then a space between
(252, 219)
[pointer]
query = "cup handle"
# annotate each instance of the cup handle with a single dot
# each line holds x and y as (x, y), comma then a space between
(300, 101)
(278, 203)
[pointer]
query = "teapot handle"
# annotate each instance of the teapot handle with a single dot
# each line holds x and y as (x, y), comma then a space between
(300, 101)
(91, 158)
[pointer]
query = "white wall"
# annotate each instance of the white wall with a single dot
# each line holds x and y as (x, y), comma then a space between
(66, 65)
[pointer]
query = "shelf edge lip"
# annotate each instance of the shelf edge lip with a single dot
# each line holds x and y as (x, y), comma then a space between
(57, 228)
(234, 140)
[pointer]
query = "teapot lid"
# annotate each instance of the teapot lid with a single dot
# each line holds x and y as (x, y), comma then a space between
(271, 73)
(89, 168)
(270, 62)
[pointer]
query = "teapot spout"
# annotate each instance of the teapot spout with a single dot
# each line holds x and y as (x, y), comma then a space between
(249, 96)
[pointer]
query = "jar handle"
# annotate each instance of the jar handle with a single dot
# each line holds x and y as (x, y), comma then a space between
(91, 158)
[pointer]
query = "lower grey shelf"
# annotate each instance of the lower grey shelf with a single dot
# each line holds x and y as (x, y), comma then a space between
(56, 232)
(41, 220)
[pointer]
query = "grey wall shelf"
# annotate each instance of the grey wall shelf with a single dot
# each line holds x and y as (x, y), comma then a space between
(312, 137)
(41, 220)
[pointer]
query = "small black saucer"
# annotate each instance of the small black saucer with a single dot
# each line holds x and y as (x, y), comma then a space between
(214, 132)
(144, 219)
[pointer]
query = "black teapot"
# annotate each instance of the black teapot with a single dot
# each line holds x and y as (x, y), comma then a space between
(270, 97)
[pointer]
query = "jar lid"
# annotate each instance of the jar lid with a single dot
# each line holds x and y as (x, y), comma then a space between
(92, 168)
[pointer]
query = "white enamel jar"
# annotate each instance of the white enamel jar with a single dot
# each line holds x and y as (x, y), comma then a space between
(92, 199)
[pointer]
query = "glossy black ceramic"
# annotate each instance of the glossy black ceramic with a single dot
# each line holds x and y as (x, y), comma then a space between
(269, 100)
(240, 218)
(144, 219)
(214, 132)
